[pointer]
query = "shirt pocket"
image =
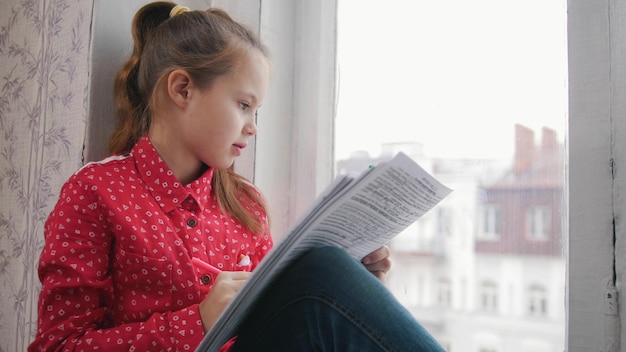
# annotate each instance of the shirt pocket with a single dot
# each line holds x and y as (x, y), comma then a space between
(142, 286)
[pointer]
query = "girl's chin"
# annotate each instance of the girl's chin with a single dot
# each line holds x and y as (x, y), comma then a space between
(222, 166)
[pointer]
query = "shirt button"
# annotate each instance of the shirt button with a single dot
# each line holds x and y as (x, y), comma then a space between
(205, 279)
(192, 222)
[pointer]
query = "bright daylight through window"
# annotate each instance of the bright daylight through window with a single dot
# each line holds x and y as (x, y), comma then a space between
(476, 93)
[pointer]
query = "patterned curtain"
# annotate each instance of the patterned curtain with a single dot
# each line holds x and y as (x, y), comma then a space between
(44, 78)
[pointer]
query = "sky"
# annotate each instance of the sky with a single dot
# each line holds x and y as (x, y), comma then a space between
(455, 75)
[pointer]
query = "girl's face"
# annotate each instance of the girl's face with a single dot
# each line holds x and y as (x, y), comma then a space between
(218, 121)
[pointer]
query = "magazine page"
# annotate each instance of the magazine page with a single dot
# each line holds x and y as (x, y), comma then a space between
(373, 211)
(359, 214)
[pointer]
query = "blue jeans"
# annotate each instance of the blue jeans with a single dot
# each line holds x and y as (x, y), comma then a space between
(327, 301)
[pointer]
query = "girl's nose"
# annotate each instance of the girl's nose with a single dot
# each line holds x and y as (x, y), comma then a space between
(250, 128)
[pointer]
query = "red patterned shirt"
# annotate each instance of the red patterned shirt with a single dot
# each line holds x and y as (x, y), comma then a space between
(116, 267)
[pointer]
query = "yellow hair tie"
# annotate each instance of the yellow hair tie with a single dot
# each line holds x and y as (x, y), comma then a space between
(178, 9)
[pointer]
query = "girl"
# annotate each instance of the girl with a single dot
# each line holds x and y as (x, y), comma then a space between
(145, 248)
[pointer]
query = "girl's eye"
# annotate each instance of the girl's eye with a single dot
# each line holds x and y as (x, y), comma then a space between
(244, 106)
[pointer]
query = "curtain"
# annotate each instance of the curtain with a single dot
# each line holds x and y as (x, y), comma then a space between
(44, 78)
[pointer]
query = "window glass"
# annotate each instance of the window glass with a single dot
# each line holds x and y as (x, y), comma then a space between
(476, 93)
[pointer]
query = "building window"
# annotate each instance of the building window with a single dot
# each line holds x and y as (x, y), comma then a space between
(444, 221)
(490, 223)
(538, 223)
(444, 293)
(489, 297)
(537, 301)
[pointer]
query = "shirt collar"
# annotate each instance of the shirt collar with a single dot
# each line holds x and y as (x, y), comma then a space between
(161, 182)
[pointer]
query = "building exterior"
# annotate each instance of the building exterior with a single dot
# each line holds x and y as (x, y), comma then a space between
(484, 271)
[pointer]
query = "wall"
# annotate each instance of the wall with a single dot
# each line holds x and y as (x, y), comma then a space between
(111, 45)
(44, 80)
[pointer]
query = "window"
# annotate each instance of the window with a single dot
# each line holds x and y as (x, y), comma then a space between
(489, 297)
(537, 301)
(444, 221)
(444, 293)
(462, 100)
(490, 223)
(538, 223)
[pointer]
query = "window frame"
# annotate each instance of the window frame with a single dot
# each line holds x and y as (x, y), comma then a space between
(596, 146)
(294, 163)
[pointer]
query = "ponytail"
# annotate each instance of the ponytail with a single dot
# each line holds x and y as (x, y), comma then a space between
(230, 189)
(133, 115)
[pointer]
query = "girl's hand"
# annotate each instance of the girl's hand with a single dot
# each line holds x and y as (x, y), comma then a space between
(226, 285)
(378, 263)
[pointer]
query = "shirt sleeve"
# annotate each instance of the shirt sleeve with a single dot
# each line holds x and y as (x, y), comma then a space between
(77, 288)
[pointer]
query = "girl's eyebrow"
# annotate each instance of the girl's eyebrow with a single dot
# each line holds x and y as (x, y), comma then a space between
(252, 97)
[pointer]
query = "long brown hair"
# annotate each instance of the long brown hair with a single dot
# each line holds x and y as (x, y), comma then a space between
(207, 44)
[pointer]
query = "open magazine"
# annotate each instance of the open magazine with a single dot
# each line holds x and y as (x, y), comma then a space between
(359, 214)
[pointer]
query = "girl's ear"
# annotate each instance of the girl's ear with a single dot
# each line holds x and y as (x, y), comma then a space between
(178, 87)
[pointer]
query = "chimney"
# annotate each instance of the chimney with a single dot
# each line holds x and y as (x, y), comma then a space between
(548, 139)
(524, 149)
